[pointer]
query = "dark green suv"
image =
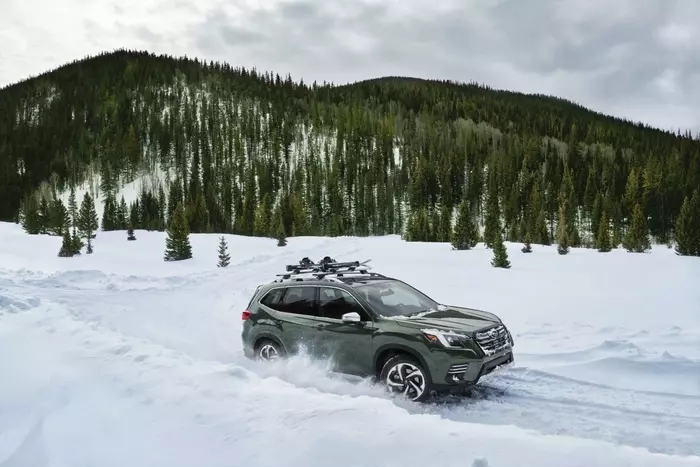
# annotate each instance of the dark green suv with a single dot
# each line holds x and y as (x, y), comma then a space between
(370, 325)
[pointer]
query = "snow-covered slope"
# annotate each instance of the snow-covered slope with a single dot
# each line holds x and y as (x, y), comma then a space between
(121, 359)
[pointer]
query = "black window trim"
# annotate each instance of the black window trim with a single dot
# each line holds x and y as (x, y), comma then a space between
(359, 301)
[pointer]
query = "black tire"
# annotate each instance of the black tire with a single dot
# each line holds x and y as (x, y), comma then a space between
(267, 350)
(402, 374)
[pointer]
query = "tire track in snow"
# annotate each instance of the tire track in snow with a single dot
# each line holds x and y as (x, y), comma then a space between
(551, 404)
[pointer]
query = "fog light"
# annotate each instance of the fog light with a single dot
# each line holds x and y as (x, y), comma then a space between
(457, 372)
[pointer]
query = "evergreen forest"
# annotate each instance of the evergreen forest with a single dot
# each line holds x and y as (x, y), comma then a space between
(235, 150)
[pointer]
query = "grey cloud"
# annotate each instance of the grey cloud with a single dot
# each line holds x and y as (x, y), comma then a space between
(610, 58)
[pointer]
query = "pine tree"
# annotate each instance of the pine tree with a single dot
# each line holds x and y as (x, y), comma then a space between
(177, 244)
(603, 237)
(31, 220)
(465, 235)
(123, 214)
(67, 247)
(261, 225)
(59, 218)
(73, 208)
(300, 217)
(567, 197)
(445, 229)
(562, 231)
(134, 216)
(688, 227)
(198, 215)
(636, 239)
(596, 213)
(492, 221)
(224, 257)
(500, 255)
(541, 231)
(281, 237)
(87, 220)
(527, 248)
(130, 234)
(76, 242)
(110, 214)
(44, 215)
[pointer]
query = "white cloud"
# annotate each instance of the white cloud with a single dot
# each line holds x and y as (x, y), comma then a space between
(638, 59)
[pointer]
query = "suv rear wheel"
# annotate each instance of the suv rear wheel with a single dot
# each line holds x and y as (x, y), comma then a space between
(268, 351)
(402, 374)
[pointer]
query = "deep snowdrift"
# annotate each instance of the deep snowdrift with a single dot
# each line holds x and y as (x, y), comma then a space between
(118, 358)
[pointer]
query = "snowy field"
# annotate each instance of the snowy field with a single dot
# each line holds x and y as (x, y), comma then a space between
(120, 359)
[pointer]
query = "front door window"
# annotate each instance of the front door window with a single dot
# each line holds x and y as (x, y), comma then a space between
(334, 303)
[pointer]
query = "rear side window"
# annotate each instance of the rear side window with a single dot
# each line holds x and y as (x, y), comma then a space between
(272, 298)
(295, 300)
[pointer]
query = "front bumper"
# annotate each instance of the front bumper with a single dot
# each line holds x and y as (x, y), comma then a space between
(454, 371)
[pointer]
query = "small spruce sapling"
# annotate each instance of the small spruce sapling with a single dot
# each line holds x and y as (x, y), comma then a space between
(527, 248)
(130, 234)
(465, 234)
(67, 249)
(224, 257)
(87, 220)
(500, 255)
(177, 244)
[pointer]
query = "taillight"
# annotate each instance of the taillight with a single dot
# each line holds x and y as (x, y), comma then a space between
(245, 315)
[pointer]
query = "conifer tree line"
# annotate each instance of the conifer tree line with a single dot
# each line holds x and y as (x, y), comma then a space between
(252, 153)
(77, 226)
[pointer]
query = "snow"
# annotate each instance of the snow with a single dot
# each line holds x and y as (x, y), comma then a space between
(119, 358)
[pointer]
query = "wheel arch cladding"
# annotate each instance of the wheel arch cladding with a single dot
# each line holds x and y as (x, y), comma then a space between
(387, 351)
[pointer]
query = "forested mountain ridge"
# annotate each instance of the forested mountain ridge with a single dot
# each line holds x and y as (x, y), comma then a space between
(253, 153)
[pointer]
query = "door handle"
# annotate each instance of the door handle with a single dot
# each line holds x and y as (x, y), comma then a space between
(320, 327)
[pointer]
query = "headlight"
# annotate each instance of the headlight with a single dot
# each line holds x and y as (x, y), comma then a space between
(449, 339)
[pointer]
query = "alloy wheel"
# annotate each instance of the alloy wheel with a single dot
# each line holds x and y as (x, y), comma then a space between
(268, 352)
(407, 379)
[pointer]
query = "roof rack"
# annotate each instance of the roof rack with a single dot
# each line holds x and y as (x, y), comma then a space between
(327, 268)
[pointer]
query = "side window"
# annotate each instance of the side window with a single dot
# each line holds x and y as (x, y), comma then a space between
(272, 298)
(334, 303)
(297, 300)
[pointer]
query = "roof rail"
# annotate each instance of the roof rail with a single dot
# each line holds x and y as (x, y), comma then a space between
(327, 268)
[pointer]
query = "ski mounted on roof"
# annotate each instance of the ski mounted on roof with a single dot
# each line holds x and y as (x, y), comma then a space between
(325, 267)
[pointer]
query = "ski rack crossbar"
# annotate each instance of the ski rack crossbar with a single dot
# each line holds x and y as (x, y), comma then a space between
(326, 267)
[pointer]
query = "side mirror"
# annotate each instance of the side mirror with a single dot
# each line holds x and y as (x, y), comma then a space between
(351, 317)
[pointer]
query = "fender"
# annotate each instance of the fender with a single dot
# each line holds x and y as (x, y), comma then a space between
(402, 348)
(269, 336)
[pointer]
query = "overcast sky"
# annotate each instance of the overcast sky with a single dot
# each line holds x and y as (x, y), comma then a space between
(638, 59)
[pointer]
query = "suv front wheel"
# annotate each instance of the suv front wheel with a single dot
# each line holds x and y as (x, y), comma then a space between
(403, 375)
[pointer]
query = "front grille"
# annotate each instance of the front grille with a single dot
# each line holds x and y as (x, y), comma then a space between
(493, 340)
(459, 368)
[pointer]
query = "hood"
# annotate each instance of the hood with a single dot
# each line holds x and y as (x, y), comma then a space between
(450, 318)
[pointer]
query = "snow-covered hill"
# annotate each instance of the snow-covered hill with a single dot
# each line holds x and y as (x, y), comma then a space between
(121, 359)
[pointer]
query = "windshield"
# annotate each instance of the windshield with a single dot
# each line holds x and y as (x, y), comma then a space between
(395, 298)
